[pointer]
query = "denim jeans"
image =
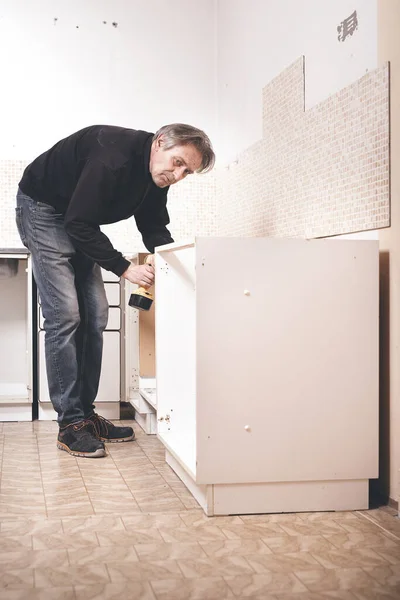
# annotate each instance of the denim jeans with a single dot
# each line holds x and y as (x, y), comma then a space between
(74, 307)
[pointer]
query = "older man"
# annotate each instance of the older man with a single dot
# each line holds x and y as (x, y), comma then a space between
(100, 174)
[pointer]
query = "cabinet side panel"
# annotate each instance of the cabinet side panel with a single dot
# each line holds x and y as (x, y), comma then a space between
(175, 352)
(14, 367)
(287, 360)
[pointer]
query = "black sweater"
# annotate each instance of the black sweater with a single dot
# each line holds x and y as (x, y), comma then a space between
(96, 176)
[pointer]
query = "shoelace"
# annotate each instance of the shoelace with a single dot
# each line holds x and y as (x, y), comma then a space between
(78, 426)
(97, 421)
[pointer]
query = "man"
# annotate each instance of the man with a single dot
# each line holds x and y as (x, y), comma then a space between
(99, 175)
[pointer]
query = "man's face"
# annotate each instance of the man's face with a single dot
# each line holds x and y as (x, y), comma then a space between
(170, 166)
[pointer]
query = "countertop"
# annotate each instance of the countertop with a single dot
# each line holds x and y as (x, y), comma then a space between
(14, 251)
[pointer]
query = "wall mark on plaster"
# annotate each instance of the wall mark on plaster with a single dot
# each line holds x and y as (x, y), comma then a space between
(347, 27)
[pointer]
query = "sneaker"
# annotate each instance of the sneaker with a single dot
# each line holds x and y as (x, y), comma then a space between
(77, 439)
(105, 431)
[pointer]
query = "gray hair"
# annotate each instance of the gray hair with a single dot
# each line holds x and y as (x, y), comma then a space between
(179, 134)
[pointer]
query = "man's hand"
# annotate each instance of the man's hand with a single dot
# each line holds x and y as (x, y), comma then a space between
(150, 260)
(142, 275)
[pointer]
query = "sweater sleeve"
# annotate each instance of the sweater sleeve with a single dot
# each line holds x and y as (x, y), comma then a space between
(87, 210)
(152, 219)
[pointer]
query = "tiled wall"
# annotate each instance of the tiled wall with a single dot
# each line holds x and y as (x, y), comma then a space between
(191, 205)
(315, 173)
(10, 174)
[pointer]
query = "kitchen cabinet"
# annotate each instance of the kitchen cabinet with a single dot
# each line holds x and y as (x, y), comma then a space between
(15, 336)
(267, 371)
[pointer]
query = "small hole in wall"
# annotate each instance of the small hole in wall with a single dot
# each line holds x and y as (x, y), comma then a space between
(115, 24)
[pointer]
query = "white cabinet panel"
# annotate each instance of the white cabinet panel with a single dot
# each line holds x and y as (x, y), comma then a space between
(113, 293)
(110, 380)
(109, 276)
(114, 318)
(16, 338)
(43, 392)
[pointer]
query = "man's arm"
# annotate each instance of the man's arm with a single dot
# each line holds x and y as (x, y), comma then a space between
(86, 210)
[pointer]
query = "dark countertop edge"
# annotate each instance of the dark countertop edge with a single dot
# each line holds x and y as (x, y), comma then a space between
(14, 251)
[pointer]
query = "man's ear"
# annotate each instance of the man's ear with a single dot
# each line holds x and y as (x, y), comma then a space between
(160, 142)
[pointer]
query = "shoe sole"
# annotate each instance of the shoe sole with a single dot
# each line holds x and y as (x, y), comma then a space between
(100, 452)
(118, 440)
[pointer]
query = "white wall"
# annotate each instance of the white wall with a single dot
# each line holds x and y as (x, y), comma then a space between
(156, 66)
(257, 39)
(389, 243)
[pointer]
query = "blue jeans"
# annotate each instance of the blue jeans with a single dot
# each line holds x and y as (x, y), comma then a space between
(74, 306)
